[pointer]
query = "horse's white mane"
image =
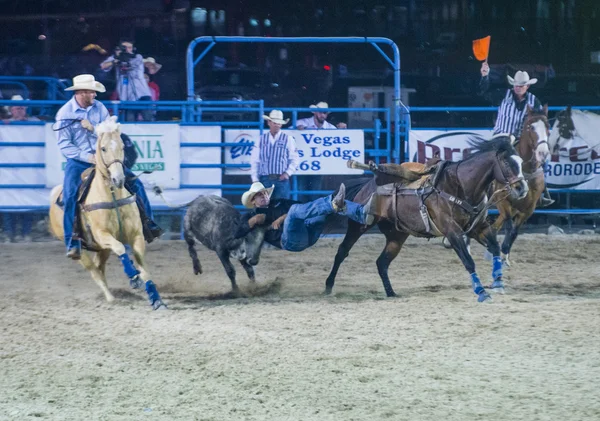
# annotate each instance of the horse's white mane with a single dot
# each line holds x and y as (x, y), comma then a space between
(108, 126)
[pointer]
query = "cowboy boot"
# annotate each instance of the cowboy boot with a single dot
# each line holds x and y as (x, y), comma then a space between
(339, 200)
(545, 199)
(150, 229)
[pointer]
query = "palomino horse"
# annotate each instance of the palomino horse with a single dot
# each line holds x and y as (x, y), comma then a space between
(533, 148)
(110, 217)
(451, 203)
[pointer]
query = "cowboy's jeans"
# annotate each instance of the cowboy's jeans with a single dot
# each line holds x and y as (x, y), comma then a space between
(136, 187)
(305, 222)
(73, 171)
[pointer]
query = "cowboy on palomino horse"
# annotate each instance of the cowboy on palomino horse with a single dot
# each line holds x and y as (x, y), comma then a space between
(109, 219)
(77, 138)
(450, 201)
(512, 111)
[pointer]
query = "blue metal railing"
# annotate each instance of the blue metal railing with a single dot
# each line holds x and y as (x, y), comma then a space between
(401, 112)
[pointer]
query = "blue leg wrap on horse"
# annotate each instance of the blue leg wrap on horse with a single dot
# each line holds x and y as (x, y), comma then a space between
(152, 292)
(497, 268)
(128, 267)
(476, 282)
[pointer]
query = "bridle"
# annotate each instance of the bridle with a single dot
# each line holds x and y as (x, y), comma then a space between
(508, 180)
(107, 165)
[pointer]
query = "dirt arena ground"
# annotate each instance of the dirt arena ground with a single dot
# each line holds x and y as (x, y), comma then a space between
(289, 353)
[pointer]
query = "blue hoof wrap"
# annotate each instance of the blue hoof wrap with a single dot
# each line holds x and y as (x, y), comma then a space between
(153, 295)
(128, 267)
(476, 283)
(497, 268)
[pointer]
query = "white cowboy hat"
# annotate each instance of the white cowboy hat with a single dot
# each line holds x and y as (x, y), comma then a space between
(152, 66)
(254, 189)
(13, 98)
(86, 83)
(276, 116)
(521, 79)
(321, 104)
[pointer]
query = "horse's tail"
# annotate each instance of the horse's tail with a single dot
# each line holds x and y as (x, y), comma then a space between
(159, 192)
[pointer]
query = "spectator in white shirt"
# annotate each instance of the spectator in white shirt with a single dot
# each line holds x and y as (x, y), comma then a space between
(275, 158)
(318, 120)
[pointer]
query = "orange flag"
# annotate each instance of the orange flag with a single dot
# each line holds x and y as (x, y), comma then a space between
(481, 48)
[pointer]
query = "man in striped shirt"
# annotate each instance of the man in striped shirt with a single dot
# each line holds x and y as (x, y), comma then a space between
(275, 158)
(513, 108)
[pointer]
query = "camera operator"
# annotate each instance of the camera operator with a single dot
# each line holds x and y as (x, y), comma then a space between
(131, 85)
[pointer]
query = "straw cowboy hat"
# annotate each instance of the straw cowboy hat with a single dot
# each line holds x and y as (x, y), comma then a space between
(521, 79)
(321, 104)
(152, 66)
(86, 83)
(254, 189)
(276, 116)
(13, 98)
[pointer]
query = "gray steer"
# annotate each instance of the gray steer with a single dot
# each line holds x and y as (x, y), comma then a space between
(213, 221)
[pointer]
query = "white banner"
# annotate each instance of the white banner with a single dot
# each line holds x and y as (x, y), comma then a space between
(322, 152)
(451, 145)
(576, 166)
(157, 146)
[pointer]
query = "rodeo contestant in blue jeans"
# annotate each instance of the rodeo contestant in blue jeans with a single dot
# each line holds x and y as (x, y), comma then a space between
(275, 157)
(297, 226)
(76, 121)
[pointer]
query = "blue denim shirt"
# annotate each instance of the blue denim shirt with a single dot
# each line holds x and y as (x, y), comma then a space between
(74, 141)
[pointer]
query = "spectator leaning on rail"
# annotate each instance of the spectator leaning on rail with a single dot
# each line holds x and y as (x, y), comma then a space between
(318, 120)
(19, 112)
(129, 69)
(513, 108)
(76, 121)
(275, 158)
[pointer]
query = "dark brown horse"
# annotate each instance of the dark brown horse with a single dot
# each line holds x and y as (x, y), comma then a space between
(452, 203)
(533, 148)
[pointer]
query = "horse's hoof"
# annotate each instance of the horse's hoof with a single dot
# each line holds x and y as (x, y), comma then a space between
(391, 294)
(159, 305)
(136, 282)
(497, 287)
(505, 263)
(484, 297)
(327, 291)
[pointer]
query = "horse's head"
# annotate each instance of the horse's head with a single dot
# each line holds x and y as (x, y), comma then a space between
(508, 169)
(109, 152)
(533, 144)
(563, 128)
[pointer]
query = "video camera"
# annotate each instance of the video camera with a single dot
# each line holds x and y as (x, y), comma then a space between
(123, 57)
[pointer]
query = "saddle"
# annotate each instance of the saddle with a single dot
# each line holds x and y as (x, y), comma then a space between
(86, 181)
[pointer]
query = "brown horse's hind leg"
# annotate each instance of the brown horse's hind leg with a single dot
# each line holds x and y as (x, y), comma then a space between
(353, 233)
(394, 241)
(97, 273)
(512, 231)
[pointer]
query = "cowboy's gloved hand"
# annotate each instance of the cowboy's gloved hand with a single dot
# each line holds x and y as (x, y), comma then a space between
(87, 125)
(92, 159)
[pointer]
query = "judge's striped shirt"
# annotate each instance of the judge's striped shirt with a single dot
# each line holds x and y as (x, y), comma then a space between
(511, 114)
